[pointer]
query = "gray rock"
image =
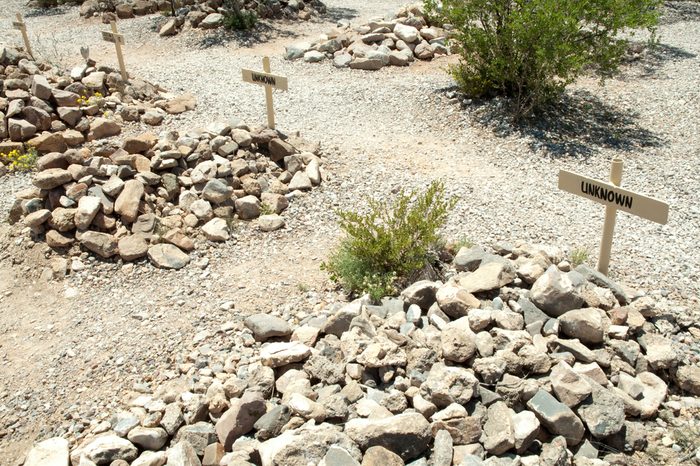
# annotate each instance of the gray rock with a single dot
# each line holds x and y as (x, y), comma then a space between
(306, 445)
(498, 436)
(455, 301)
(380, 456)
(265, 326)
(127, 204)
(132, 247)
(585, 324)
(240, 418)
(488, 277)
(183, 454)
(271, 423)
(300, 181)
(601, 280)
(38, 218)
(407, 435)
(449, 384)
(169, 28)
(555, 453)
(280, 354)
(408, 34)
(248, 207)
(342, 60)
(422, 293)
(212, 21)
(106, 449)
(458, 345)
(313, 56)
(216, 229)
(660, 351)
(50, 452)
(554, 293)
(688, 378)
(557, 418)
(172, 418)
(337, 456)
(271, 222)
(199, 435)
(102, 244)
(366, 64)
(217, 191)
(526, 429)
(148, 438)
(603, 413)
(52, 178)
(442, 449)
(569, 386)
(653, 394)
(41, 87)
(20, 130)
(294, 51)
(167, 256)
(88, 207)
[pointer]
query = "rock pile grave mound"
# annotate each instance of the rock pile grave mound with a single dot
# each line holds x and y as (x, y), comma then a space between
(396, 41)
(515, 359)
(51, 111)
(201, 14)
(153, 195)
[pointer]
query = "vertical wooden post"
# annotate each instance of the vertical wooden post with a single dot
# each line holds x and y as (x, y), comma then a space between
(120, 57)
(609, 225)
(23, 29)
(268, 96)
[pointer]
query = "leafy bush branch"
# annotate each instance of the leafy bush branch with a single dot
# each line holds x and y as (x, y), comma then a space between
(391, 243)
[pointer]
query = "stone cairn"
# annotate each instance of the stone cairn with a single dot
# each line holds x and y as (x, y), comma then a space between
(515, 360)
(151, 195)
(204, 14)
(395, 41)
(52, 112)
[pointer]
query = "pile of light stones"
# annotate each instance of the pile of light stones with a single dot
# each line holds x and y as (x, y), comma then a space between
(517, 358)
(51, 111)
(204, 14)
(156, 195)
(395, 41)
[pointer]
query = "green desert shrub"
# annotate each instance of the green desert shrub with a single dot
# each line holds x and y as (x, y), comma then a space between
(240, 20)
(387, 246)
(530, 50)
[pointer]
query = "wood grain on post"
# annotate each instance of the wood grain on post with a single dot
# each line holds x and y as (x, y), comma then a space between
(609, 224)
(268, 96)
(120, 56)
(20, 24)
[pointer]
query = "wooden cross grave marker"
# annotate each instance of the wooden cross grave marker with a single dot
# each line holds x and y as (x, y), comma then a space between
(613, 198)
(118, 40)
(270, 81)
(22, 27)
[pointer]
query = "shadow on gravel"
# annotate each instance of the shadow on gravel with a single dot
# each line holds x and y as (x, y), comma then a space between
(337, 14)
(647, 60)
(263, 32)
(579, 126)
(39, 12)
(675, 12)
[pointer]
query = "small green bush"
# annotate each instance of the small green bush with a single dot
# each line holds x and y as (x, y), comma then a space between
(240, 20)
(387, 246)
(530, 50)
(579, 256)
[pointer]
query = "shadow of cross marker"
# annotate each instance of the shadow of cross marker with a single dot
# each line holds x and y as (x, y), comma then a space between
(613, 198)
(270, 81)
(118, 40)
(22, 27)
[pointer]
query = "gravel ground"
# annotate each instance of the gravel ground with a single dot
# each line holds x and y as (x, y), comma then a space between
(70, 350)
